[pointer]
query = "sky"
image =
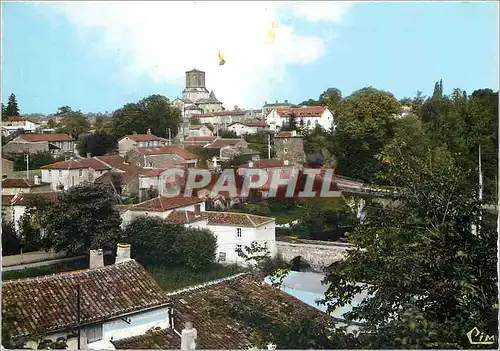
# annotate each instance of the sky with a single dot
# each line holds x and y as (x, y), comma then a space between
(98, 56)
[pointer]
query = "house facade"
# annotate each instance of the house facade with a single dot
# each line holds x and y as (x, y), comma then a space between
(116, 302)
(306, 116)
(199, 131)
(130, 142)
(13, 186)
(289, 147)
(228, 147)
(242, 128)
(14, 124)
(162, 157)
(66, 174)
(54, 143)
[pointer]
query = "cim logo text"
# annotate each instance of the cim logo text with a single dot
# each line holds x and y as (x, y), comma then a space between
(476, 337)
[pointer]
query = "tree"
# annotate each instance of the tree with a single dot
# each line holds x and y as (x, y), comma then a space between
(97, 144)
(365, 125)
(10, 240)
(227, 134)
(194, 121)
(198, 248)
(430, 278)
(154, 112)
(12, 109)
(331, 97)
(84, 218)
(35, 160)
(4, 112)
(73, 122)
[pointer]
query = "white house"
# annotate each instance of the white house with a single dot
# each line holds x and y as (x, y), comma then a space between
(198, 131)
(116, 302)
(13, 186)
(241, 128)
(129, 142)
(306, 116)
(13, 124)
(66, 174)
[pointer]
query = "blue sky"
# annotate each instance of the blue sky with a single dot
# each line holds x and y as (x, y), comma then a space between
(97, 57)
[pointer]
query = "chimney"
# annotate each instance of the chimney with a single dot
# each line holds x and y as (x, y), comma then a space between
(149, 131)
(37, 180)
(294, 133)
(96, 259)
(122, 253)
(88, 154)
(250, 164)
(285, 162)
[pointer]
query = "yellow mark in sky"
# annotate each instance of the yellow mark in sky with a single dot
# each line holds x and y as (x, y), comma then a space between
(221, 58)
(271, 34)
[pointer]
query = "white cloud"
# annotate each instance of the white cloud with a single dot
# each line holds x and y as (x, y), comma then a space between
(165, 39)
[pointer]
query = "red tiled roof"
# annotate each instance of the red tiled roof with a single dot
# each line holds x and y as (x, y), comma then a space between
(118, 162)
(142, 137)
(17, 183)
(305, 111)
(7, 199)
(222, 113)
(221, 331)
(236, 219)
(25, 199)
(251, 124)
(261, 164)
(50, 137)
(222, 142)
(183, 217)
(179, 151)
(48, 303)
(16, 119)
(163, 203)
(125, 177)
(78, 164)
(152, 172)
(287, 135)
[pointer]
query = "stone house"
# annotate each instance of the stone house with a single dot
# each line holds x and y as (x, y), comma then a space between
(116, 301)
(130, 142)
(199, 131)
(32, 143)
(289, 147)
(252, 127)
(162, 157)
(228, 148)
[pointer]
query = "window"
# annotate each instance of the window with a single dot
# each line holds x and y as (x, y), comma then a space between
(239, 248)
(80, 172)
(316, 122)
(308, 123)
(222, 256)
(285, 150)
(94, 333)
(50, 173)
(60, 173)
(238, 232)
(197, 209)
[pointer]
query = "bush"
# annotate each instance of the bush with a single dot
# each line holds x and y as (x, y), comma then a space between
(158, 243)
(10, 241)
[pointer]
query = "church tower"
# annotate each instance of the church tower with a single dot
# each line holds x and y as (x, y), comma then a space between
(195, 86)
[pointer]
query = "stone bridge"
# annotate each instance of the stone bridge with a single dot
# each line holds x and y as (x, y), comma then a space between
(317, 254)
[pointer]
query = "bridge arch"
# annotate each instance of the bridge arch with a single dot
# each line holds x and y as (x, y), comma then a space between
(299, 264)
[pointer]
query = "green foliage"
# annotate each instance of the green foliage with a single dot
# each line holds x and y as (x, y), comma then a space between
(174, 278)
(11, 243)
(331, 97)
(194, 121)
(36, 161)
(365, 124)
(45, 270)
(158, 243)
(229, 134)
(97, 144)
(84, 218)
(73, 123)
(431, 278)
(154, 112)
(12, 109)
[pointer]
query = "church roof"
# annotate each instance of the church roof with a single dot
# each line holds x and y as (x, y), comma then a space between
(194, 70)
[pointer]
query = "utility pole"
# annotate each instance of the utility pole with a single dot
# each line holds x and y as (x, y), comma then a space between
(78, 312)
(480, 177)
(269, 146)
(169, 137)
(28, 166)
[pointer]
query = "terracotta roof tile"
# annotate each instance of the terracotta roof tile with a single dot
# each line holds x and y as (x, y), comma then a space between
(305, 111)
(50, 137)
(219, 331)
(179, 151)
(25, 199)
(17, 183)
(183, 217)
(78, 164)
(163, 203)
(7, 199)
(236, 219)
(107, 178)
(222, 142)
(49, 302)
(142, 137)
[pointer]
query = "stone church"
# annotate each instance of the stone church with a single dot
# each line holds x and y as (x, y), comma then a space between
(195, 97)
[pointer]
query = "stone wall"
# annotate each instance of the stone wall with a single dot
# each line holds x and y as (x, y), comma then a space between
(316, 255)
(290, 149)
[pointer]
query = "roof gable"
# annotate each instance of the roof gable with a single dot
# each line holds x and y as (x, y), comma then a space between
(48, 303)
(163, 203)
(50, 137)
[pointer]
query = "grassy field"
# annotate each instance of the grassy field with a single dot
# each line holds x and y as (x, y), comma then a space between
(172, 279)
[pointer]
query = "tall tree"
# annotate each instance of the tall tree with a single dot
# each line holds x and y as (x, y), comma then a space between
(73, 122)
(331, 97)
(97, 144)
(154, 112)
(84, 218)
(365, 123)
(431, 280)
(12, 108)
